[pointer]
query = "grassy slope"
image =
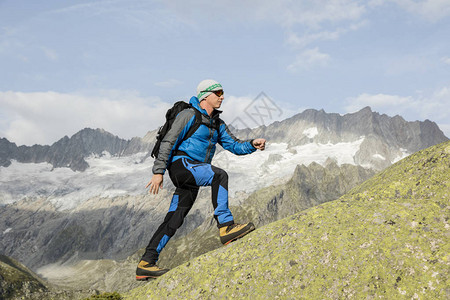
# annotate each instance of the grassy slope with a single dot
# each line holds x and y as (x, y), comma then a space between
(386, 238)
(17, 280)
(308, 187)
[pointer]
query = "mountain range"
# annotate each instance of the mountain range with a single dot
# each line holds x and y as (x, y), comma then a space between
(388, 136)
(82, 199)
(71, 152)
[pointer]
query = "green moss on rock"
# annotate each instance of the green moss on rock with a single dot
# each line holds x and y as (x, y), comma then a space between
(106, 296)
(387, 238)
(16, 280)
(309, 186)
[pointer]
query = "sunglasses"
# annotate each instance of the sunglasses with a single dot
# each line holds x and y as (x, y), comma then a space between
(218, 93)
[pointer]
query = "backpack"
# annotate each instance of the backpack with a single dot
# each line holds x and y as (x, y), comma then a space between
(171, 114)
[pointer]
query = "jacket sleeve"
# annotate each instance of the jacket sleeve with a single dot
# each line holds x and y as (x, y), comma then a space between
(174, 136)
(229, 142)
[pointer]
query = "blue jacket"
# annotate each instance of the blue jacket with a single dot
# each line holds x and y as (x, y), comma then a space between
(201, 145)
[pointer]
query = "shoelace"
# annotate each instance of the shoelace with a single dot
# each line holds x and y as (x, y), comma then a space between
(230, 227)
(149, 265)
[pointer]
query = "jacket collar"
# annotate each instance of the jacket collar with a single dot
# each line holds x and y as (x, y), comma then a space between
(196, 104)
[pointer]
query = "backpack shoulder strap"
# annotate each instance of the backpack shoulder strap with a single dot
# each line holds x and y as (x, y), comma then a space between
(196, 125)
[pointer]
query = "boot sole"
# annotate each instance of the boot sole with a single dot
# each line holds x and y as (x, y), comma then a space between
(143, 275)
(241, 235)
(145, 278)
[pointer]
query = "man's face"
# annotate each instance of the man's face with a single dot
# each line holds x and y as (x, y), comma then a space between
(214, 100)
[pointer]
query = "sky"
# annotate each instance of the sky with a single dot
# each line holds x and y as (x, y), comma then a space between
(120, 64)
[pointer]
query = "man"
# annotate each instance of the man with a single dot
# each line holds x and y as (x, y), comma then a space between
(189, 164)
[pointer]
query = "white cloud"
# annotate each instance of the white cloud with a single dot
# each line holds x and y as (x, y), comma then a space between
(408, 64)
(43, 118)
(314, 13)
(432, 10)
(309, 58)
(418, 107)
(445, 127)
(301, 41)
(93, 8)
(169, 83)
(375, 3)
(284, 12)
(50, 54)
(303, 21)
(379, 101)
(446, 60)
(144, 17)
(250, 112)
(306, 39)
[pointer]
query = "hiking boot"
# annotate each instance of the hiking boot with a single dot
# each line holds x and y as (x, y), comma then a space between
(147, 270)
(232, 232)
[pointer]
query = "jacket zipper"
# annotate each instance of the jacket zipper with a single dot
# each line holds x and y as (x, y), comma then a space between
(208, 150)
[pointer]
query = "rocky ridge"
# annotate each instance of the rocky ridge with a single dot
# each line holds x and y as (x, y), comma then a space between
(386, 138)
(16, 280)
(71, 152)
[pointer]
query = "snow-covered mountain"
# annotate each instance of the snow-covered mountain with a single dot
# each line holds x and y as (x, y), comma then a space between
(95, 163)
(84, 196)
(71, 152)
(382, 139)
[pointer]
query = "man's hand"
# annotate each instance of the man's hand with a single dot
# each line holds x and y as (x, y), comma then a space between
(155, 184)
(259, 144)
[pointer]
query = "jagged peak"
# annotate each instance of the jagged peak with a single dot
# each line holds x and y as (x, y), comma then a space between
(90, 131)
(366, 109)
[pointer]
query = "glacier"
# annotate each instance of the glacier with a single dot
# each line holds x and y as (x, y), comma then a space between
(112, 176)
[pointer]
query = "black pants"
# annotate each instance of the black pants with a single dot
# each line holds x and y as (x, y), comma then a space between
(187, 176)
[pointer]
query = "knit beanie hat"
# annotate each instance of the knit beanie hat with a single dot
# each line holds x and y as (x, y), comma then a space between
(206, 87)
